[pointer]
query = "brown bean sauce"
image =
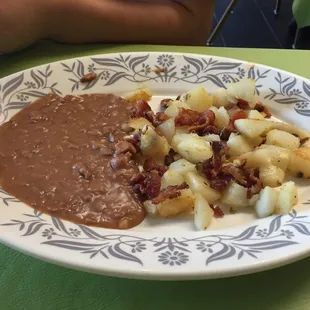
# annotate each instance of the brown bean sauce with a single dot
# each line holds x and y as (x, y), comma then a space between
(55, 155)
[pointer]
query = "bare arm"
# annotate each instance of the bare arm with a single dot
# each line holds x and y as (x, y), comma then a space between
(166, 22)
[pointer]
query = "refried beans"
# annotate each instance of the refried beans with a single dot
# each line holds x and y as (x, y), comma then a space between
(65, 157)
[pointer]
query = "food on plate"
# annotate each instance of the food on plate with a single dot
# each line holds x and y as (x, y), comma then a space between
(107, 161)
(227, 151)
(66, 157)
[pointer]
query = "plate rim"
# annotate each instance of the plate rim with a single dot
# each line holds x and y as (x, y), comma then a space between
(140, 272)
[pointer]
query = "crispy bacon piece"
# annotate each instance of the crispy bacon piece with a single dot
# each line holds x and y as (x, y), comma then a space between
(254, 183)
(171, 157)
(221, 182)
(219, 147)
(218, 212)
(262, 108)
(140, 109)
(211, 129)
(206, 119)
(165, 103)
(201, 123)
(88, 77)
(186, 117)
(169, 193)
(150, 165)
(160, 117)
(231, 106)
(225, 133)
(239, 114)
(147, 184)
(135, 140)
(242, 104)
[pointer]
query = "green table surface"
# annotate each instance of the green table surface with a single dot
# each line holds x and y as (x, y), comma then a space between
(27, 283)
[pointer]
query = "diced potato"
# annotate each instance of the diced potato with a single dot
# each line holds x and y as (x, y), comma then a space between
(179, 137)
(252, 128)
(254, 114)
(153, 145)
(182, 166)
(174, 107)
(167, 128)
(220, 98)
(203, 213)
(267, 202)
(301, 133)
(254, 141)
(171, 178)
(138, 123)
(283, 139)
(244, 89)
(267, 155)
(172, 207)
(236, 196)
(238, 145)
(212, 137)
(222, 117)
(140, 94)
(213, 109)
(271, 175)
(288, 197)
(300, 162)
(253, 200)
(198, 99)
(193, 148)
(199, 185)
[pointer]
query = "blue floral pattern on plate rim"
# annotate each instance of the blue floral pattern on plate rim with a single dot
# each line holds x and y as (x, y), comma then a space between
(155, 70)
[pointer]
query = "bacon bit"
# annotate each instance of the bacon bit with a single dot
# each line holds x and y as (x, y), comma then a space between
(161, 117)
(186, 117)
(197, 122)
(88, 77)
(150, 165)
(135, 140)
(264, 139)
(231, 106)
(221, 183)
(262, 108)
(211, 129)
(140, 109)
(242, 104)
(237, 173)
(165, 103)
(304, 140)
(147, 184)
(169, 193)
(218, 212)
(225, 133)
(219, 147)
(240, 114)
(171, 157)
(254, 183)
(159, 70)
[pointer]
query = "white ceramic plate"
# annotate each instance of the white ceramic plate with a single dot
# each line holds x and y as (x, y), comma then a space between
(161, 249)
